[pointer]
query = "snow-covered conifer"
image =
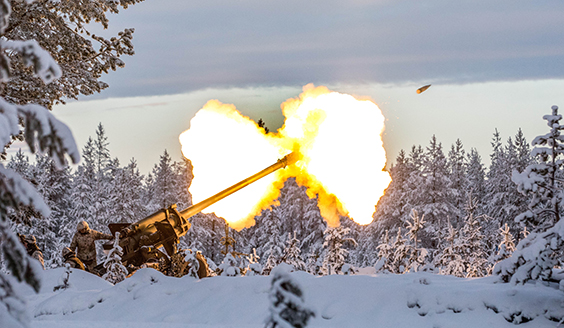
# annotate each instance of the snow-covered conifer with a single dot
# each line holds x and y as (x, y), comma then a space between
(456, 164)
(385, 255)
(274, 245)
(83, 57)
(254, 268)
(433, 193)
(476, 174)
(229, 267)
(399, 261)
(292, 253)
(449, 261)
(392, 206)
(334, 253)
(127, 189)
(471, 243)
(535, 256)
(287, 305)
(507, 245)
(43, 133)
(115, 271)
(418, 255)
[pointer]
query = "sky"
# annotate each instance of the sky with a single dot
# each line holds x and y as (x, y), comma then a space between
(492, 65)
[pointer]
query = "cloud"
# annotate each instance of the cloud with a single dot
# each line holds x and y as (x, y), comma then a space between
(183, 46)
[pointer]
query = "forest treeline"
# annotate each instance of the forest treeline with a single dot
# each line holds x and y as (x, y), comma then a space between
(444, 211)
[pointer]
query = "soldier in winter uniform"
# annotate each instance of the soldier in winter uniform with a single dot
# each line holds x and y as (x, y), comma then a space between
(32, 249)
(72, 260)
(83, 242)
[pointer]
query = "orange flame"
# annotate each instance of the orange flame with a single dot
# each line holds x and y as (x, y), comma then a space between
(338, 139)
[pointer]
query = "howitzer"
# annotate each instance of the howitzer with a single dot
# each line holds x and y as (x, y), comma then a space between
(141, 240)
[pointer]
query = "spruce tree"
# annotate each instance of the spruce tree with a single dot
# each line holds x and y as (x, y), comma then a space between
(507, 245)
(63, 29)
(418, 256)
(292, 253)
(449, 261)
(385, 255)
(274, 246)
(433, 194)
(537, 254)
(43, 133)
(457, 168)
(334, 253)
(471, 243)
(476, 174)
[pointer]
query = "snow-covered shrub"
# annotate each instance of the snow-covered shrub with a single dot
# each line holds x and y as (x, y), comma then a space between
(287, 306)
(64, 280)
(253, 268)
(115, 271)
(229, 267)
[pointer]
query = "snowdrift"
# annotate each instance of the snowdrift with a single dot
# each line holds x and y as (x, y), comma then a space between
(150, 299)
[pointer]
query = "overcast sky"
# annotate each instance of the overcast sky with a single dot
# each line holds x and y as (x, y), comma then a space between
(493, 64)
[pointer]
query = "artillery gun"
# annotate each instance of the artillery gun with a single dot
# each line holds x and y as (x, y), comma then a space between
(141, 240)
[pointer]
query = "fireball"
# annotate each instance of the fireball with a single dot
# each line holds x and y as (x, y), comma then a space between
(338, 141)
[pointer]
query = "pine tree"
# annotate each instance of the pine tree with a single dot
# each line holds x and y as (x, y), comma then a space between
(127, 188)
(62, 29)
(449, 261)
(165, 181)
(314, 260)
(457, 167)
(334, 253)
(399, 261)
(476, 174)
(418, 256)
(391, 209)
(20, 164)
(385, 255)
(537, 254)
(115, 271)
(54, 186)
(274, 244)
(292, 253)
(471, 243)
(43, 133)
(433, 193)
(287, 308)
(507, 245)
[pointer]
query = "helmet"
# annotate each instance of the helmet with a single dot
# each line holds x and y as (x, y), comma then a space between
(67, 251)
(82, 225)
(30, 239)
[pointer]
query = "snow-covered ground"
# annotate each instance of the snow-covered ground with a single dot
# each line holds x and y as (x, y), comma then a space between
(150, 299)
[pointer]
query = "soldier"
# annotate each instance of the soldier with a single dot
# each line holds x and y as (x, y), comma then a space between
(32, 249)
(72, 260)
(83, 242)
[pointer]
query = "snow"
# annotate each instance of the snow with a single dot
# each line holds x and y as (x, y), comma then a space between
(150, 299)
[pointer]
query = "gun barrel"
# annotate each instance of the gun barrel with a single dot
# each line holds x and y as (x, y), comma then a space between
(164, 227)
(198, 207)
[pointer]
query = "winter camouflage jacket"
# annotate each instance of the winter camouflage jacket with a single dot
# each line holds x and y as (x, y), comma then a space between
(84, 244)
(74, 262)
